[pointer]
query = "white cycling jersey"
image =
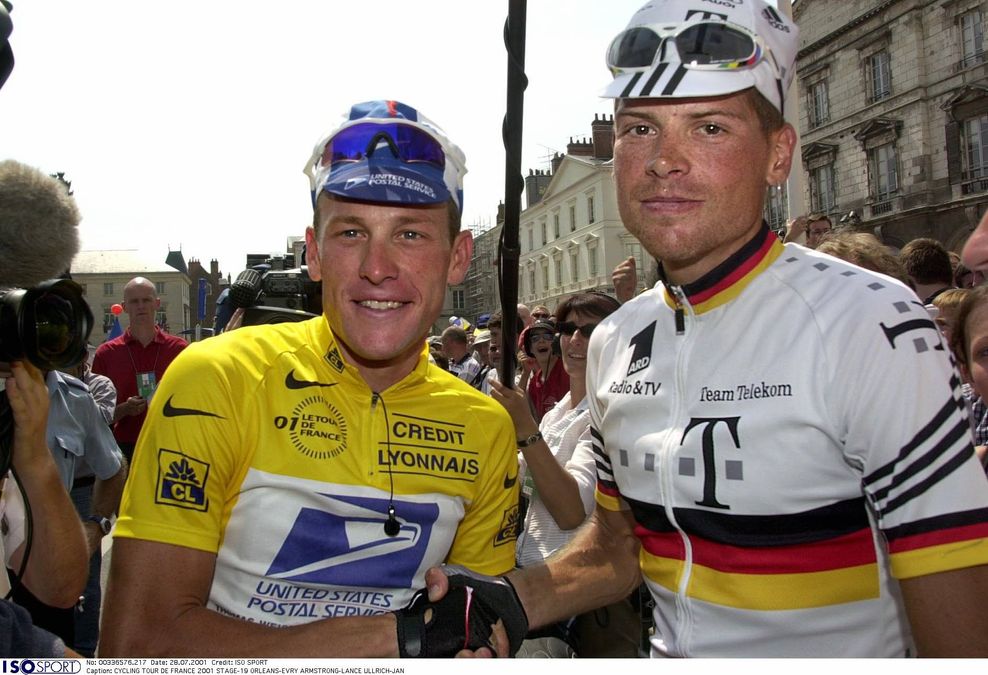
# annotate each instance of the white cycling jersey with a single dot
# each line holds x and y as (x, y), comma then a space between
(789, 435)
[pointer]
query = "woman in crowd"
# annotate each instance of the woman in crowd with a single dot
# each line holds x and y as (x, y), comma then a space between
(558, 471)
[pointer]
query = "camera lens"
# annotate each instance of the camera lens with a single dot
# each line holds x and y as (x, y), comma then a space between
(48, 324)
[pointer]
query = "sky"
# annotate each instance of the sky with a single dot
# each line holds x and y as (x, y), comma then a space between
(187, 125)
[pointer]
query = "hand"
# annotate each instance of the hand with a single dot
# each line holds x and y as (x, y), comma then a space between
(236, 320)
(134, 405)
(516, 403)
(528, 363)
(795, 228)
(28, 398)
(625, 280)
(497, 594)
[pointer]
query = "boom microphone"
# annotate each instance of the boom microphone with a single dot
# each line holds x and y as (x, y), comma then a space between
(39, 226)
(6, 53)
(245, 289)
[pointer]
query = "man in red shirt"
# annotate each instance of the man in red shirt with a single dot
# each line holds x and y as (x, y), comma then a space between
(136, 361)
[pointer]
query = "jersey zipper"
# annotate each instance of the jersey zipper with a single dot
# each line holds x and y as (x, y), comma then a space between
(684, 609)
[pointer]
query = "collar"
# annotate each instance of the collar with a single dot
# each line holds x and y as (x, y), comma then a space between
(726, 281)
(333, 357)
(929, 300)
(129, 337)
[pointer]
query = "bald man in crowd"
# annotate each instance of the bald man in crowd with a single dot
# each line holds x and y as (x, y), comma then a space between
(136, 361)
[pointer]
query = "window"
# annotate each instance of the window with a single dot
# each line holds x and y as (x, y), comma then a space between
(545, 275)
(823, 192)
(879, 76)
(819, 104)
(531, 280)
(592, 261)
(161, 319)
(572, 218)
(108, 318)
(972, 39)
(557, 264)
(159, 287)
(590, 210)
(574, 262)
(107, 289)
(531, 238)
(544, 237)
(975, 139)
(459, 299)
(555, 225)
(882, 167)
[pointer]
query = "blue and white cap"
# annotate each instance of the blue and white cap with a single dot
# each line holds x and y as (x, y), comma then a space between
(388, 152)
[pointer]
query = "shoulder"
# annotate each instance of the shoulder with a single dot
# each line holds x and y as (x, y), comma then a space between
(459, 396)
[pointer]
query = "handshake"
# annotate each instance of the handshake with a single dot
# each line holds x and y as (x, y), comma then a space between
(463, 618)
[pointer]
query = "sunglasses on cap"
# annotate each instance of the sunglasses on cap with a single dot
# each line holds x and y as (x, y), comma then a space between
(568, 328)
(406, 141)
(704, 45)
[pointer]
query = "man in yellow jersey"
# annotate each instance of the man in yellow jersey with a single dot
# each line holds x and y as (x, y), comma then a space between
(295, 481)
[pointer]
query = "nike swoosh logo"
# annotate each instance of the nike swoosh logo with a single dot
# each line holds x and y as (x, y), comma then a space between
(510, 482)
(171, 411)
(292, 383)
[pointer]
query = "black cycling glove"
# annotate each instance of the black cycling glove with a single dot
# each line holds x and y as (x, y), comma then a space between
(437, 629)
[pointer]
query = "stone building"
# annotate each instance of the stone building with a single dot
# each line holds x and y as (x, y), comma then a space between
(894, 114)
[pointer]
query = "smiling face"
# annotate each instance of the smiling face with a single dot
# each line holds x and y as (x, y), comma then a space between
(691, 176)
(384, 270)
(574, 347)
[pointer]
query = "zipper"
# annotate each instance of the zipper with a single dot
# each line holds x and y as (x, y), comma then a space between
(684, 607)
(679, 315)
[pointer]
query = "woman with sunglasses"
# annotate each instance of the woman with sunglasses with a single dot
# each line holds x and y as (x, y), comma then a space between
(557, 467)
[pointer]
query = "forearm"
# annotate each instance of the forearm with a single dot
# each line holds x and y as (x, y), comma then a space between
(58, 562)
(598, 567)
(152, 635)
(107, 493)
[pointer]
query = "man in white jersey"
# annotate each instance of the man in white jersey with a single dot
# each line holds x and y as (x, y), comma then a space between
(824, 502)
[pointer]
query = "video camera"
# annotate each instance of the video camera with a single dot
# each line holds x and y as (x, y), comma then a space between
(48, 324)
(275, 295)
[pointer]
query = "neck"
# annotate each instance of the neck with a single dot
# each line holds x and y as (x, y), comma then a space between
(926, 290)
(143, 334)
(577, 390)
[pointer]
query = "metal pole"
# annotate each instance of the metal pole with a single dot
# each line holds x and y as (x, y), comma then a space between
(511, 133)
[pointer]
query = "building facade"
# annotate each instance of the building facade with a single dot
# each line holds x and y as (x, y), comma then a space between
(571, 235)
(894, 114)
(103, 275)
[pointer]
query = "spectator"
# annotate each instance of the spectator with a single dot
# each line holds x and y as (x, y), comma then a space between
(548, 382)
(948, 304)
(928, 265)
(56, 569)
(816, 227)
(136, 361)
(461, 362)
(541, 313)
(82, 445)
(864, 250)
(558, 475)
(970, 344)
(967, 278)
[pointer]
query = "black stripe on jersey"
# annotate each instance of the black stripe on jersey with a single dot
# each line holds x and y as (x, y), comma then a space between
(717, 274)
(785, 529)
(948, 468)
(653, 78)
(631, 85)
(944, 522)
(597, 436)
(923, 435)
(925, 460)
(674, 81)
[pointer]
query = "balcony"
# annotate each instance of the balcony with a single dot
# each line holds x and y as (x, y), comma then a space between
(972, 60)
(974, 186)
